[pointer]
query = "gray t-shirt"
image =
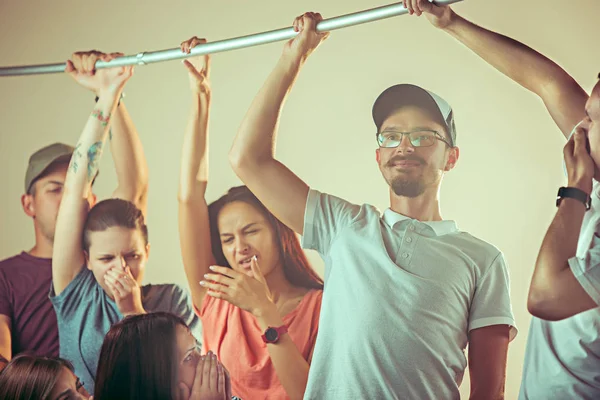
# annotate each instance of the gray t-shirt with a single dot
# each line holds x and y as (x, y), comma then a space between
(562, 358)
(85, 313)
(400, 299)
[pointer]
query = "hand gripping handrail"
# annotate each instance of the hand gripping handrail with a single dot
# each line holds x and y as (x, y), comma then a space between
(143, 58)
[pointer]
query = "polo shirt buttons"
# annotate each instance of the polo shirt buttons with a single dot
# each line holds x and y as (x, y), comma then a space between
(412, 228)
(409, 240)
(405, 255)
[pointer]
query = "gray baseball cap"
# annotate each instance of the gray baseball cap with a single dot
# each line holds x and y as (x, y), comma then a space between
(397, 96)
(43, 158)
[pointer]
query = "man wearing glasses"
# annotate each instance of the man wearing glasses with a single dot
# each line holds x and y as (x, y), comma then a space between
(404, 291)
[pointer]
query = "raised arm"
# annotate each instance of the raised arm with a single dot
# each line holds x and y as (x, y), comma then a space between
(555, 292)
(130, 161)
(563, 97)
(252, 154)
(125, 145)
(68, 257)
(194, 231)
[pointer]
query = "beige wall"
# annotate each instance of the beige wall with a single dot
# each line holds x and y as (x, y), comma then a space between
(502, 190)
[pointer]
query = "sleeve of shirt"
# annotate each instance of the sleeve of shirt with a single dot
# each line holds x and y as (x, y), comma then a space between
(325, 216)
(5, 303)
(81, 287)
(491, 301)
(587, 270)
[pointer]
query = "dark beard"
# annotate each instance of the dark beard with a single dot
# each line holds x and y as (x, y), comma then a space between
(406, 188)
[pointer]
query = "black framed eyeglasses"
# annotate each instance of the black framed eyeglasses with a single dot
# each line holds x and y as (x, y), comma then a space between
(419, 138)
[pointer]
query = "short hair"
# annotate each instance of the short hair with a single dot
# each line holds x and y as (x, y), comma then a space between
(31, 377)
(138, 359)
(113, 213)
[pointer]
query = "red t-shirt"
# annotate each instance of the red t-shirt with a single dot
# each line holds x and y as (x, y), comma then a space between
(235, 337)
(24, 286)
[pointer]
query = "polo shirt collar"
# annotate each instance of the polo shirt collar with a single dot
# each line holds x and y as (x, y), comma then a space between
(439, 227)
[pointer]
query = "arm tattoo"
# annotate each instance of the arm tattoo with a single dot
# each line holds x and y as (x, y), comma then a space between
(99, 115)
(75, 158)
(94, 153)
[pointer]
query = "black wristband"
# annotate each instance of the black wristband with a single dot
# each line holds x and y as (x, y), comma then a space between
(573, 193)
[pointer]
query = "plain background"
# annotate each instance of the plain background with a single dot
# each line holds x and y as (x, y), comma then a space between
(502, 190)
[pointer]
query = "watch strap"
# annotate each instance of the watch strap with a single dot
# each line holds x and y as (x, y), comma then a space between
(280, 330)
(573, 193)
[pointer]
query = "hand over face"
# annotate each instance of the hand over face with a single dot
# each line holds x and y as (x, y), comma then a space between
(580, 165)
(125, 290)
(249, 292)
(211, 381)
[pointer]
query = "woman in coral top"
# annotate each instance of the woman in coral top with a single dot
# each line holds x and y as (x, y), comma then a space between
(252, 286)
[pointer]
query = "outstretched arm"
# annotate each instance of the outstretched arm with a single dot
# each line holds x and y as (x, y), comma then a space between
(563, 97)
(252, 154)
(194, 230)
(68, 257)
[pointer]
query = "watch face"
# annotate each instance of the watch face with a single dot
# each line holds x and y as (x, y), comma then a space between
(271, 335)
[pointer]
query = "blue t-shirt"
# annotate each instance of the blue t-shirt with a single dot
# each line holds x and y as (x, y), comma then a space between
(85, 313)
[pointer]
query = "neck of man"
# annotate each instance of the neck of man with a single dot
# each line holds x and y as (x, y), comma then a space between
(43, 246)
(425, 207)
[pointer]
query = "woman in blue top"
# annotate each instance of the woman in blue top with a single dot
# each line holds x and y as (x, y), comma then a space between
(100, 254)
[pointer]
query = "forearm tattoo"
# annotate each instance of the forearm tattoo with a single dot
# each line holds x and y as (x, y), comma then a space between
(75, 158)
(94, 153)
(99, 115)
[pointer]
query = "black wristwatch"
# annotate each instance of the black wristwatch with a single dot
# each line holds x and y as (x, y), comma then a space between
(573, 193)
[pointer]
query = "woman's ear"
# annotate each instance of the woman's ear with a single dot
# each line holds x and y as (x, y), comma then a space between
(87, 260)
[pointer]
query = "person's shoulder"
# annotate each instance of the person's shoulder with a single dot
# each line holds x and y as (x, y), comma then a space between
(337, 201)
(12, 261)
(471, 243)
(176, 293)
(312, 298)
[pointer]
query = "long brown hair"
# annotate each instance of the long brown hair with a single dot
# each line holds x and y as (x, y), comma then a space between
(28, 377)
(296, 267)
(138, 359)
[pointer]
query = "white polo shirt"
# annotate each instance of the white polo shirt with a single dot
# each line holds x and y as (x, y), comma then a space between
(562, 358)
(400, 298)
